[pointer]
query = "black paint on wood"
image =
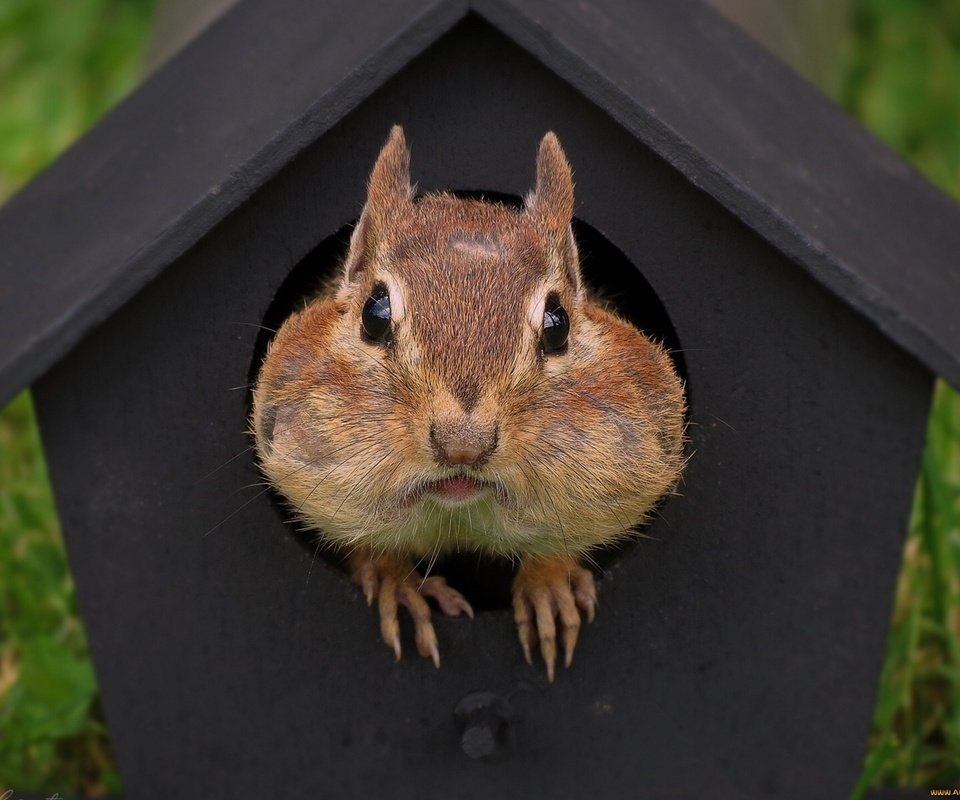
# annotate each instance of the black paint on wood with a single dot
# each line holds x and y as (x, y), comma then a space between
(736, 653)
(770, 148)
(195, 141)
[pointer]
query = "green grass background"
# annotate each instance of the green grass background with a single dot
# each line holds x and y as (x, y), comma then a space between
(62, 65)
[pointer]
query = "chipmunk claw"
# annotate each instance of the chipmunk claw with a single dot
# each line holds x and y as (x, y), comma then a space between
(365, 576)
(393, 583)
(451, 602)
(544, 590)
(524, 629)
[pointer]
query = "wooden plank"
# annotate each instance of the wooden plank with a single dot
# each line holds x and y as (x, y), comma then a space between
(781, 156)
(188, 147)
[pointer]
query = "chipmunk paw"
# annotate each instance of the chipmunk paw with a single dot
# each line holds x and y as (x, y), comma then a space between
(393, 582)
(543, 590)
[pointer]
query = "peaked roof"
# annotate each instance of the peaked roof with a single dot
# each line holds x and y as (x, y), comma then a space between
(269, 77)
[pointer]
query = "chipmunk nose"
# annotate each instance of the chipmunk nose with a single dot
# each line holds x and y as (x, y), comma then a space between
(462, 442)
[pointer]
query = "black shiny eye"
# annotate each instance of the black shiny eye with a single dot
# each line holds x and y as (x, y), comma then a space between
(556, 327)
(376, 314)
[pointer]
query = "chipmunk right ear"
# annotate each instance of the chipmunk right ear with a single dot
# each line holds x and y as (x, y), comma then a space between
(389, 193)
(552, 200)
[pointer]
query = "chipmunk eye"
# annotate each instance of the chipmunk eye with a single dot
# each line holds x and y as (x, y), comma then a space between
(376, 314)
(556, 326)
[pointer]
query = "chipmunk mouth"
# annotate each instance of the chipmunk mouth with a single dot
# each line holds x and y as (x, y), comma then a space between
(455, 490)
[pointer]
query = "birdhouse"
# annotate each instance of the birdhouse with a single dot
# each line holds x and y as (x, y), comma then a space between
(803, 276)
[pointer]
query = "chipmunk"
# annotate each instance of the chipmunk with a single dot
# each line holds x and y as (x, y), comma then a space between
(457, 389)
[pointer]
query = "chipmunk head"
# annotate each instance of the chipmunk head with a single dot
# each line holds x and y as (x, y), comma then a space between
(456, 361)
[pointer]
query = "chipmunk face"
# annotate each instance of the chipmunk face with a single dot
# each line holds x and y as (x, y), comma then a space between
(457, 389)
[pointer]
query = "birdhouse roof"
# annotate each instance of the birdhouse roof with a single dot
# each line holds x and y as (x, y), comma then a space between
(271, 76)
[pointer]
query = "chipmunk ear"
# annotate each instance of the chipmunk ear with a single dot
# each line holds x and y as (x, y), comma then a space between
(551, 203)
(389, 194)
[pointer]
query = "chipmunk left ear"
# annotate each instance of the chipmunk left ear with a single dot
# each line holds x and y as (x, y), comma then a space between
(551, 203)
(389, 197)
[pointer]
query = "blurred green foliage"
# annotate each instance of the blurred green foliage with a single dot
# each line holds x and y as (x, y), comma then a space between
(47, 687)
(51, 733)
(63, 65)
(903, 83)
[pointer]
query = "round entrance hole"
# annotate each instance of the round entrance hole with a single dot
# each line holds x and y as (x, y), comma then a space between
(608, 274)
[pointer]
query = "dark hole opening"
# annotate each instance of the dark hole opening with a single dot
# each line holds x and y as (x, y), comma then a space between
(485, 581)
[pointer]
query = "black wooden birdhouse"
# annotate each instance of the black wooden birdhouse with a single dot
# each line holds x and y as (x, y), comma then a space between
(803, 275)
